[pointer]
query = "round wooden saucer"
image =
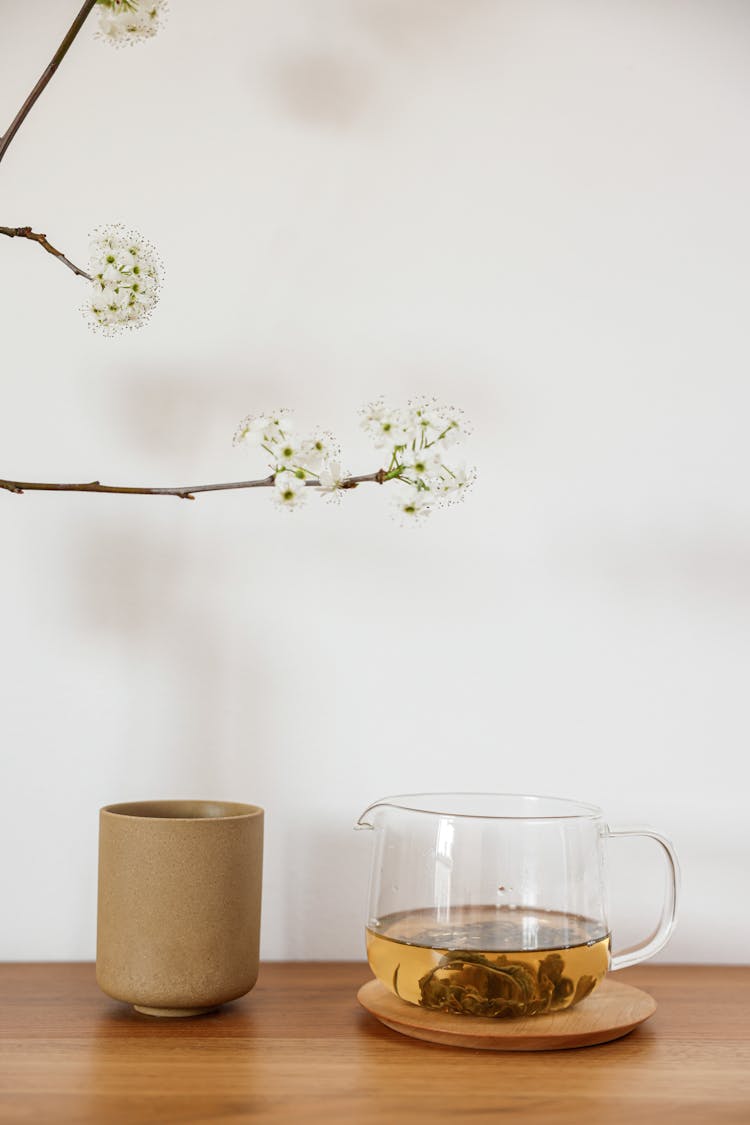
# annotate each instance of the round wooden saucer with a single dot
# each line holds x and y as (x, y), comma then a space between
(611, 1011)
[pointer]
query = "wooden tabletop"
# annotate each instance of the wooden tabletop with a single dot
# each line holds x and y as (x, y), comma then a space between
(299, 1049)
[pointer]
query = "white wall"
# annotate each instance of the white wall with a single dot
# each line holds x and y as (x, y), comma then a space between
(537, 210)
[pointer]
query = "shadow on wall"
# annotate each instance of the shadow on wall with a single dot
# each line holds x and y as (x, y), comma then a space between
(323, 88)
(666, 565)
(194, 678)
(334, 87)
(184, 410)
(325, 880)
(409, 26)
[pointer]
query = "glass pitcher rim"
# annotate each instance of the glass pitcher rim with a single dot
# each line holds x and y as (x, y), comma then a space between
(584, 811)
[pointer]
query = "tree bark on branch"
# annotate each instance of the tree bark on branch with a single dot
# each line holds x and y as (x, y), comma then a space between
(49, 70)
(184, 492)
(33, 236)
(18, 120)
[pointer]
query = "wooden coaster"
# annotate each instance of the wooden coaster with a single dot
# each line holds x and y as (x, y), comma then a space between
(611, 1011)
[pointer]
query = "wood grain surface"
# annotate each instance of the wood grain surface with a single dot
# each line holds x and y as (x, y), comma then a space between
(613, 1010)
(299, 1048)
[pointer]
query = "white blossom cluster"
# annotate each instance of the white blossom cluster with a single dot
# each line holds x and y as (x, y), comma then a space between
(417, 440)
(129, 21)
(413, 444)
(294, 458)
(125, 269)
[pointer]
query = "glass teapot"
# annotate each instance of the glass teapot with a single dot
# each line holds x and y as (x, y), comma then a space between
(495, 905)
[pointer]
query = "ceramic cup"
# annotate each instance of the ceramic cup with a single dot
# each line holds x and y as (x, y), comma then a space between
(179, 904)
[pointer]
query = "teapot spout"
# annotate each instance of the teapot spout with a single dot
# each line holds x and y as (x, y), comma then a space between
(363, 822)
(366, 820)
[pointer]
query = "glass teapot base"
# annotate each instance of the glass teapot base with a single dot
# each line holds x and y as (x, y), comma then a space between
(612, 1011)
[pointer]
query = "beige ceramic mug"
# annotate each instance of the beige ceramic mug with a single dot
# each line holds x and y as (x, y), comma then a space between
(179, 904)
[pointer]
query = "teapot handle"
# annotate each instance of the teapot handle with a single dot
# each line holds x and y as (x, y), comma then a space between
(659, 938)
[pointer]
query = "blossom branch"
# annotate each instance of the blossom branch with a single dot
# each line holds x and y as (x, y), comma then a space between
(184, 492)
(125, 269)
(57, 58)
(27, 232)
(412, 443)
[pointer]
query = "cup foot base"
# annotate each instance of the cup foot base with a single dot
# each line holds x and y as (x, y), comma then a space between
(174, 1013)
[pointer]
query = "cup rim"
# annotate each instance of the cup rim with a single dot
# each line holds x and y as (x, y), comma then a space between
(169, 810)
(407, 803)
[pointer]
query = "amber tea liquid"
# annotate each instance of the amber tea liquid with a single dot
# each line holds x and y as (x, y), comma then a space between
(487, 960)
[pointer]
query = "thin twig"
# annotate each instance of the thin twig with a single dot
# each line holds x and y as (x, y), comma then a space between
(184, 492)
(27, 232)
(57, 58)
